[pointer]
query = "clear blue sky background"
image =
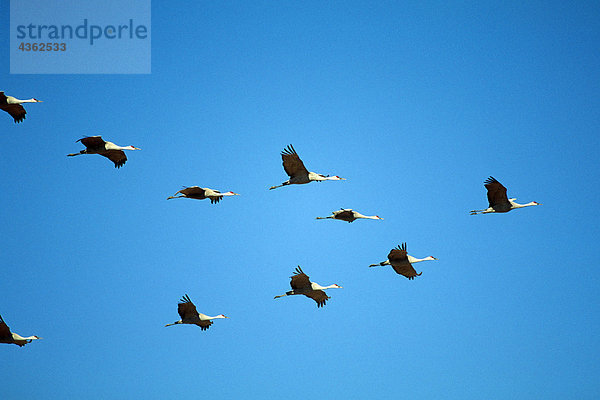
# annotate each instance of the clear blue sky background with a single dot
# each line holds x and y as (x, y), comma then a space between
(415, 104)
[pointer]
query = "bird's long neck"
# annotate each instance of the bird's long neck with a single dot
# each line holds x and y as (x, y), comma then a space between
(412, 259)
(316, 286)
(16, 336)
(215, 317)
(112, 146)
(13, 100)
(517, 205)
(359, 215)
(175, 323)
(381, 264)
(313, 176)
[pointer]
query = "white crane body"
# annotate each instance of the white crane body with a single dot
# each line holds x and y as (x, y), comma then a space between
(8, 337)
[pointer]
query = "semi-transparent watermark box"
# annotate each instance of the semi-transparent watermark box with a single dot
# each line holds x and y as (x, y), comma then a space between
(80, 37)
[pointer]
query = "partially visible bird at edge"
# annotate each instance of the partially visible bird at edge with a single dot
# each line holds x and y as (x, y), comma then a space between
(6, 336)
(13, 106)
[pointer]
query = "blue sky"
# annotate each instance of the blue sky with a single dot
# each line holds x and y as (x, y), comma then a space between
(415, 104)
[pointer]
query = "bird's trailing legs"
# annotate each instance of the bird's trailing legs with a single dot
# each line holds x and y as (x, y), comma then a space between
(386, 262)
(484, 211)
(278, 186)
(175, 195)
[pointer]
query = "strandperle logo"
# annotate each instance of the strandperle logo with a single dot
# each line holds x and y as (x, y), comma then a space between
(80, 37)
(84, 31)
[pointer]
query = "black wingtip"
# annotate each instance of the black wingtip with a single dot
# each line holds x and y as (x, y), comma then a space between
(289, 150)
(489, 180)
(185, 299)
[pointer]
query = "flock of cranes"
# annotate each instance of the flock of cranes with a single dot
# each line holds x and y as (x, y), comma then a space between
(300, 283)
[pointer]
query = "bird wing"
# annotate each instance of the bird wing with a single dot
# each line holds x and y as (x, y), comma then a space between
(93, 142)
(4, 329)
(204, 324)
(292, 164)
(215, 199)
(186, 309)
(398, 254)
(344, 215)
(15, 110)
(405, 269)
(194, 192)
(116, 156)
(399, 259)
(496, 192)
(214, 195)
(319, 296)
(299, 280)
